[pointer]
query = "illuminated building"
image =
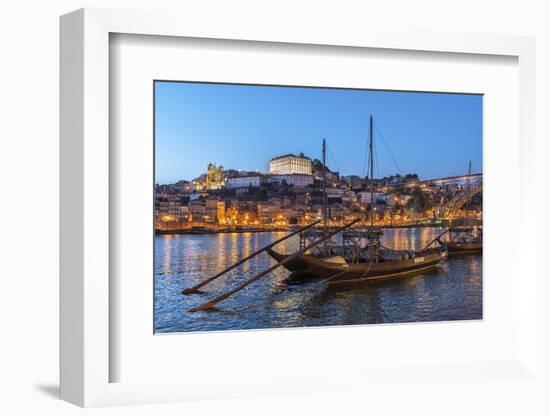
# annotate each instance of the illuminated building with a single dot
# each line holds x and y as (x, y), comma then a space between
(171, 208)
(289, 164)
(215, 211)
(198, 210)
(214, 177)
(267, 212)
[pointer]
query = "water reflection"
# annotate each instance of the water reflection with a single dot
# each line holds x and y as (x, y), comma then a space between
(453, 291)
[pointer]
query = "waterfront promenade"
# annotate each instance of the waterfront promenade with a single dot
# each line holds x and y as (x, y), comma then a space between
(186, 229)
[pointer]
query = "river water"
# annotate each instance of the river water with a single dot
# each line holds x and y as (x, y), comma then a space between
(451, 291)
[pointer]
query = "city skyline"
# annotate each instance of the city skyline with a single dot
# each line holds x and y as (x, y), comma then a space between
(242, 127)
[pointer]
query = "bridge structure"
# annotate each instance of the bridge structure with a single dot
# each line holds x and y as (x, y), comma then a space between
(462, 179)
(462, 197)
(467, 187)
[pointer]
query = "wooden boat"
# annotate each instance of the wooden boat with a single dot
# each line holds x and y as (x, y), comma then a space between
(371, 261)
(456, 248)
(317, 266)
(338, 271)
(463, 240)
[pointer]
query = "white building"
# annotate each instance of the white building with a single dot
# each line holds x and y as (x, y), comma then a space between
(243, 181)
(289, 164)
(295, 179)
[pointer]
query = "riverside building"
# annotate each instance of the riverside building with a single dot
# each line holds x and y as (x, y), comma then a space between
(243, 181)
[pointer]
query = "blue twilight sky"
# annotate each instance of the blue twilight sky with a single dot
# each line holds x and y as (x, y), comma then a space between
(243, 127)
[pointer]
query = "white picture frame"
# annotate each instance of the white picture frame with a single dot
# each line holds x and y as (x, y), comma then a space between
(86, 356)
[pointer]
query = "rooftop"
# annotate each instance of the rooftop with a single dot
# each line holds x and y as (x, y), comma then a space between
(246, 175)
(300, 156)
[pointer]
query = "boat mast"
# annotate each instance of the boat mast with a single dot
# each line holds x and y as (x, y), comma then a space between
(469, 204)
(373, 236)
(371, 160)
(324, 186)
(324, 196)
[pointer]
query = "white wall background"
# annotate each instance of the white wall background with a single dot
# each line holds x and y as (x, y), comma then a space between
(29, 206)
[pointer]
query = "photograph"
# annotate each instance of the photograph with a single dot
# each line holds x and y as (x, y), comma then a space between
(298, 206)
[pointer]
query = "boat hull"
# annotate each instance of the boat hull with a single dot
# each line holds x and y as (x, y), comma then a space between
(296, 265)
(464, 248)
(361, 272)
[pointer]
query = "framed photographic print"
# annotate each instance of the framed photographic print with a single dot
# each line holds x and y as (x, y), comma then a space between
(267, 212)
(413, 256)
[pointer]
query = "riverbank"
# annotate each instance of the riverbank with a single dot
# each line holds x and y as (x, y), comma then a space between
(222, 231)
(282, 229)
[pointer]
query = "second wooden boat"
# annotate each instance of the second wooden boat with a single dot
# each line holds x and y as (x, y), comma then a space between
(456, 248)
